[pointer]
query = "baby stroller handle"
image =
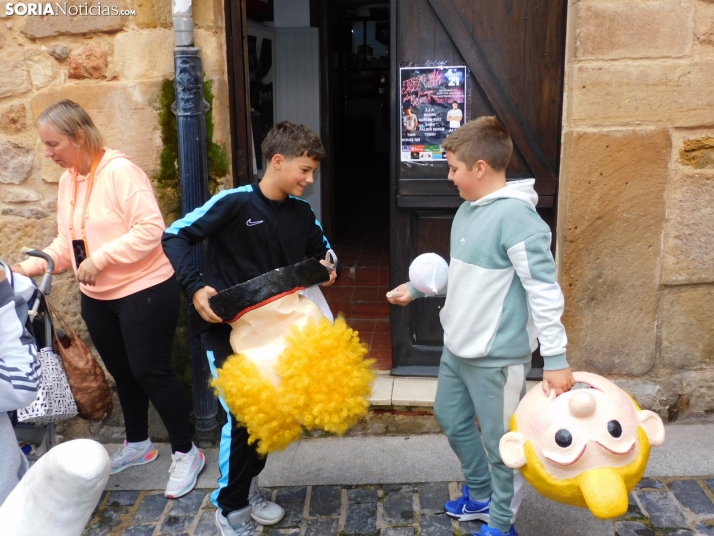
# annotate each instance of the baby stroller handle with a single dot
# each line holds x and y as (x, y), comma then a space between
(46, 283)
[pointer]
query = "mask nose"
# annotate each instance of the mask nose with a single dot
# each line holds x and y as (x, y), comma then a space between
(581, 404)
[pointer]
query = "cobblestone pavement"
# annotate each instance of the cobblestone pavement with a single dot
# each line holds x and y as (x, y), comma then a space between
(658, 507)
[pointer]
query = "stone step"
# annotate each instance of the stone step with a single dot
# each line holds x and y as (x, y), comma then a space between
(397, 391)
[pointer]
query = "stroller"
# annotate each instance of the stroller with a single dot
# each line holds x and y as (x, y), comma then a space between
(36, 439)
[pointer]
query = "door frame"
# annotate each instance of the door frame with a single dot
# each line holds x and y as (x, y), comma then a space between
(238, 91)
(426, 196)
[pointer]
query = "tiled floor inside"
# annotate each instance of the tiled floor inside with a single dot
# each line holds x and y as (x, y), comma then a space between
(360, 293)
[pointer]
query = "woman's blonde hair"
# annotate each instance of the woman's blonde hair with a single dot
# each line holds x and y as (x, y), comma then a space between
(69, 118)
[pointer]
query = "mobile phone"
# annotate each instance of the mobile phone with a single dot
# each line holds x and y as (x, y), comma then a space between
(79, 248)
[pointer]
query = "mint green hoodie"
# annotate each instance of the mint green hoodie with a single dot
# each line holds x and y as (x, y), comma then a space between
(502, 294)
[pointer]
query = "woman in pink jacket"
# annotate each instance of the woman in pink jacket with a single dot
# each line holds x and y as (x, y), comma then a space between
(109, 232)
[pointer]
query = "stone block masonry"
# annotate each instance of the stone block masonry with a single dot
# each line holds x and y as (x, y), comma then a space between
(122, 113)
(114, 67)
(689, 228)
(620, 30)
(635, 240)
(613, 219)
(679, 93)
(61, 24)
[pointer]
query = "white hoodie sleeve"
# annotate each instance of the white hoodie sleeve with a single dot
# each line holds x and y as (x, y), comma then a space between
(19, 368)
(535, 266)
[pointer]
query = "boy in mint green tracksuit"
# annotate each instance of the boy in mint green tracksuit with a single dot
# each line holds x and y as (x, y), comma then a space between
(502, 298)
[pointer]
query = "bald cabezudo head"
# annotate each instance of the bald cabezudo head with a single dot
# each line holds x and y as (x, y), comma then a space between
(588, 447)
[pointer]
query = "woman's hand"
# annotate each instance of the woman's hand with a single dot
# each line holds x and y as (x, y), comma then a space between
(17, 269)
(87, 272)
(200, 302)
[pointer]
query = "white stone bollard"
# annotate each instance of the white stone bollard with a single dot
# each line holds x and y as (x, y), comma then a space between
(59, 492)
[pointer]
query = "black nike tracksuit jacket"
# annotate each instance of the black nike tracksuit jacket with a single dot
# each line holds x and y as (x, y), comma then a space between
(247, 235)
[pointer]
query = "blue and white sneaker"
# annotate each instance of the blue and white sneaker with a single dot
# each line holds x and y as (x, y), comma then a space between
(466, 509)
(488, 531)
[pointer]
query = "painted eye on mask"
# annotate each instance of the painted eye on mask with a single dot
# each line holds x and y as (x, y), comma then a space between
(563, 438)
(615, 428)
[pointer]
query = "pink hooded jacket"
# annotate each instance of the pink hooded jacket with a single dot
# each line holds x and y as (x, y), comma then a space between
(123, 230)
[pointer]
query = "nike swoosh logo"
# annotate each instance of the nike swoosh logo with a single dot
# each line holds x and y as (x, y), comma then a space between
(251, 223)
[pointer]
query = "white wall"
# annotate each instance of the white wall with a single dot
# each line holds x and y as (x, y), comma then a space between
(292, 13)
(297, 88)
(297, 75)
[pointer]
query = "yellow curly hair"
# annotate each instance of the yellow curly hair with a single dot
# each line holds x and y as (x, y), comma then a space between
(325, 382)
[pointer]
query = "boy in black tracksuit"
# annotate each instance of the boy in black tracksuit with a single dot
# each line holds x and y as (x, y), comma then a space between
(250, 230)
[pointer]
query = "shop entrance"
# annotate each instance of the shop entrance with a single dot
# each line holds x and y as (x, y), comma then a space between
(357, 77)
(338, 69)
(326, 64)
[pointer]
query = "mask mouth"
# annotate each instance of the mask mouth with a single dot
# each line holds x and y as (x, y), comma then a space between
(616, 453)
(571, 462)
(580, 385)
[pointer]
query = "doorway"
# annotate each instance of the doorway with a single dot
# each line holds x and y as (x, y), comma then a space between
(358, 73)
(379, 211)
(515, 52)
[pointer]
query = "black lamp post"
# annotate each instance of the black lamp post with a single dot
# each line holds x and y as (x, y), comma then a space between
(190, 110)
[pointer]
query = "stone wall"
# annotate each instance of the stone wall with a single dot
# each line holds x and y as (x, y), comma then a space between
(636, 208)
(112, 66)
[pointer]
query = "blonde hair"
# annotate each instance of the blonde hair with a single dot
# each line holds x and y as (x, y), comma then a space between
(484, 139)
(69, 118)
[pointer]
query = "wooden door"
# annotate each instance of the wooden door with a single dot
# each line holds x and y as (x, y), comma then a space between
(239, 91)
(515, 50)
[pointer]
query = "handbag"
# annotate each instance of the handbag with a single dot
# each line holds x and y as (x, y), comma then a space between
(54, 402)
(86, 377)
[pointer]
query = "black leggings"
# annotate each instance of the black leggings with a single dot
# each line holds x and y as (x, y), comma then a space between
(134, 335)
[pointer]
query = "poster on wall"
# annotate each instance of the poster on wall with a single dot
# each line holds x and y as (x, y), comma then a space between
(433, 105)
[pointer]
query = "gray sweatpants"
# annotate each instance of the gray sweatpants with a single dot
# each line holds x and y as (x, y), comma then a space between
(13, 463)
(491, 395)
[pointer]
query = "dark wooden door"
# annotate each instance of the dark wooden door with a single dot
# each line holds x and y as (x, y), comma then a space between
(515, 50)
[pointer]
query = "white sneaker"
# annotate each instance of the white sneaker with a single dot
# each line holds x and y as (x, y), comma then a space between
(264, 512)
(236, 524)
(184, 472)
(128, 455)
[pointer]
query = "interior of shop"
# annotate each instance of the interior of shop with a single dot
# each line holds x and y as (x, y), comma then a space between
(346, 42)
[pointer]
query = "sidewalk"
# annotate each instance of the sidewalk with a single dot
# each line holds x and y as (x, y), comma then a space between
(396, 486)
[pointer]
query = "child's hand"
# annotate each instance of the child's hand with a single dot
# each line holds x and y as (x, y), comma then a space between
(333, 275)
(200, 302)
(559, 380)
(400, 295)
